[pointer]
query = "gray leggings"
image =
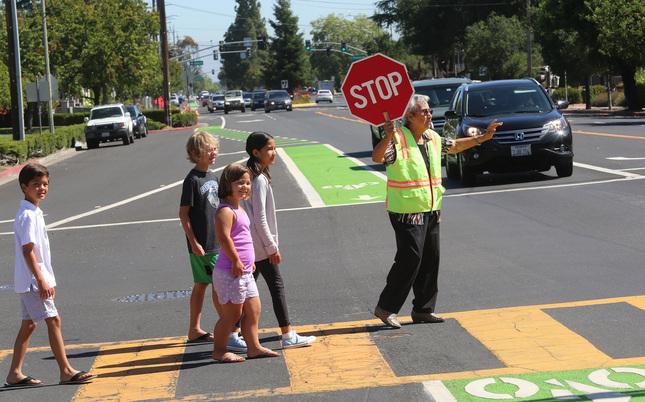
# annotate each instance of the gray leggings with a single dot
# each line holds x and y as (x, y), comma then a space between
(271, 274)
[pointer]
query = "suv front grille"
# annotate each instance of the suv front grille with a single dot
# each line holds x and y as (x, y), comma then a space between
(105, 127)
(523, 136)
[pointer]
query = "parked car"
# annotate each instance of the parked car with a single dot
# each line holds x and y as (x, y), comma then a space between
(277, 99)
(108, 123)
(257, 100)
(233, 100)
(248, 98)
(139, 121)
(174, 100)
(439, 92)
(535, 135)
(324, 95)
(216, 102)
(203, 97)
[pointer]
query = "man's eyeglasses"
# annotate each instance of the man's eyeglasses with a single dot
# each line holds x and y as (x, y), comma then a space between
(426, 112)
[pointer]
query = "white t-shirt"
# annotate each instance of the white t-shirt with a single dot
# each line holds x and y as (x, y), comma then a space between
(29, 227)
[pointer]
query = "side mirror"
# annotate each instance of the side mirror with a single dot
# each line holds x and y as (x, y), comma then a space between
(86, 119)
(450, 114)
(562, 104)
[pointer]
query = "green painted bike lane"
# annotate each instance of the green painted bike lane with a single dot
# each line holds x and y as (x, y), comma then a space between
(337, 179)
(615, 384)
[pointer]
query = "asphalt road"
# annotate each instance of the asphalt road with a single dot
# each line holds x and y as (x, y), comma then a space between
(539, 274)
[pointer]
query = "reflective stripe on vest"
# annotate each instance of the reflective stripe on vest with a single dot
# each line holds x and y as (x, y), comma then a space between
(409, 189)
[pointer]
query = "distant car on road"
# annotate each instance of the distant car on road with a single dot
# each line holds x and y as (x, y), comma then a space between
(174, 100)
(277, 99)
(324, 95)
(257, 100)
(535, 135)
(108, 123)
(216, 102)
(233, 100)
(248, 98)
(139, 121)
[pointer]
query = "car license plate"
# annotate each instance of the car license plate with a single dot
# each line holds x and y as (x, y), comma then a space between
(521, 150)
(105, 135)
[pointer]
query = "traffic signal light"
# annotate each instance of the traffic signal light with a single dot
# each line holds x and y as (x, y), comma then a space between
(248, 52)
(262, 42)
(308, 46)
(213, 71)
(343, 47)
(215, 55)
(328, 50)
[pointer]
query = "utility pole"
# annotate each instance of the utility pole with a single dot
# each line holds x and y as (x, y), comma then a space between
(50, 106)
(15, 72)
(163, 35)
(530, 50)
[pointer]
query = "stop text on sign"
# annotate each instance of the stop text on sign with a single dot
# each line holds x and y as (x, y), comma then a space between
(386, 87)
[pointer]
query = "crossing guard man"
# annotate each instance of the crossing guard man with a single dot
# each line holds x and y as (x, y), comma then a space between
(412, 156)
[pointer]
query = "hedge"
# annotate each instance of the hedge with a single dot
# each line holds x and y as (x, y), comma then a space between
(38, 145)
(185, 119)
(574, 95)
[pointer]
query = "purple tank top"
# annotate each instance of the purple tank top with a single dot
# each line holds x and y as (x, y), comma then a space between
(241, 235)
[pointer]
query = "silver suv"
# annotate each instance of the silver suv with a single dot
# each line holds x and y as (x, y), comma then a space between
(233, 100)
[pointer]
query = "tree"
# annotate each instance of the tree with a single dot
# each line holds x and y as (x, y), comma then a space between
(240, 71)
(498, 43)
(569, 40)
(287, 57)
(361, 35)
(437, 27)
(621, 38)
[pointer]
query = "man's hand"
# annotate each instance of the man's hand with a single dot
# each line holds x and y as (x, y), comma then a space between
(197, 249)
(45, 290)
(276, 258)
(490, 131)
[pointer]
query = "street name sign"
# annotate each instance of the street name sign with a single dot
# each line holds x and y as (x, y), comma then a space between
(375, 85)
(197, 62)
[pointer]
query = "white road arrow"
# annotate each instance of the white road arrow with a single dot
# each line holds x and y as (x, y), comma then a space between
(366, 198)
(624, 158)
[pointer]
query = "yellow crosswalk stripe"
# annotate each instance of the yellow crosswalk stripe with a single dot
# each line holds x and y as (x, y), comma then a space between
(138, 370)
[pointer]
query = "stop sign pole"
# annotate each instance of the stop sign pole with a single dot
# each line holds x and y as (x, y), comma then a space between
(377, 88)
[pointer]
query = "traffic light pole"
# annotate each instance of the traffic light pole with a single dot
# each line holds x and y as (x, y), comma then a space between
(15, 73)
(50, 107)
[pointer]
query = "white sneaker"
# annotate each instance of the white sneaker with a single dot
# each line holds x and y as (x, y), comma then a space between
(297, 341)
(235, 343)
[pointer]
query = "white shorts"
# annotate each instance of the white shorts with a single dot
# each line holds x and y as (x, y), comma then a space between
(231, 289)
(36, 309)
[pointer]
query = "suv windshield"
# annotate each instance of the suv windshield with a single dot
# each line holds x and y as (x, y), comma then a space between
(106, 112)
(440, 96)
(218, 97)
(506, 100)
(233, 94)
(258, 95)
(278, 95)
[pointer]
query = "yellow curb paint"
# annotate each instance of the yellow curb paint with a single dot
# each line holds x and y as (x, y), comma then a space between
(531, 339)
(638, 302)
(629, 137)
(351, 359)
(139, 370)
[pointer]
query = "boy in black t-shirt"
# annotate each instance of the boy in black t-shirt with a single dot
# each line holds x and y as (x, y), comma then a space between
(199, 203)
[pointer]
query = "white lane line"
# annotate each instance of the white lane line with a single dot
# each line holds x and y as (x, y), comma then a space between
(223, 122)
(271, 117)
(103, 225)
(624, 158)
(249, 121)
(123, 202)
(232, 153)
(632, 169)
(605, 170)
(7, 221)
(438, 391)
(369, 168)
(310, 193)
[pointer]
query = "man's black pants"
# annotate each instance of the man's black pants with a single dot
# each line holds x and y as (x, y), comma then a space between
(416, 265)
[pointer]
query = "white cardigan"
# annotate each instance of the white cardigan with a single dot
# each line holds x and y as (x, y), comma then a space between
(261, 211)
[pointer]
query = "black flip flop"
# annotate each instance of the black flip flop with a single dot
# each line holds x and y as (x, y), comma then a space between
(25, 382)
(207, 337)
(76, 379)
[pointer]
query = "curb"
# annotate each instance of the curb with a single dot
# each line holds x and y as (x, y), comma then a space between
(165, 130)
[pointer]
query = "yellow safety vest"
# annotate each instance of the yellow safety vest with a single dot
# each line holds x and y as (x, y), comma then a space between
(409, 189)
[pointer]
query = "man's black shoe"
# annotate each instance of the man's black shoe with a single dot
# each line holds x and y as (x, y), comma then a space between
(387, 317)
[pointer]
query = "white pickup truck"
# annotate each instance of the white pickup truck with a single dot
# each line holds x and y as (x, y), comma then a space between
(108, 123)
(233, 100)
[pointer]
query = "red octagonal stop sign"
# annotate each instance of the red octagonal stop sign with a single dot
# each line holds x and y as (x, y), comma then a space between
(377, 84)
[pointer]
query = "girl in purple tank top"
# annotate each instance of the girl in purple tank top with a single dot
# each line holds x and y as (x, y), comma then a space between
(233, 274)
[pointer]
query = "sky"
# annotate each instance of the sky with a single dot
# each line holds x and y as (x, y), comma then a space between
(206, 21)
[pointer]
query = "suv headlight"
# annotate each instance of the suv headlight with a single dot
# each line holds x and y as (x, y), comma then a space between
(227, 103)
(556, 126)
(120, 125)
(470, 131)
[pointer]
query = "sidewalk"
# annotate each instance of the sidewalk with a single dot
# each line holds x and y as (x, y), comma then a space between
(579, 109)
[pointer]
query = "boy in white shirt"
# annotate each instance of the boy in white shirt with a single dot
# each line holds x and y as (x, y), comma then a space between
(35, 282)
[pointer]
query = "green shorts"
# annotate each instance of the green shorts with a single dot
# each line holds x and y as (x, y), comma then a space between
(203, 267)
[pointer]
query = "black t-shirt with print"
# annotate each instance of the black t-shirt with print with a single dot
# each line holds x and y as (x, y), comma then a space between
(200, 193)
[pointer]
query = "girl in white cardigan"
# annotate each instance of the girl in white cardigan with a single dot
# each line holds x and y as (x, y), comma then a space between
(264, 229)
